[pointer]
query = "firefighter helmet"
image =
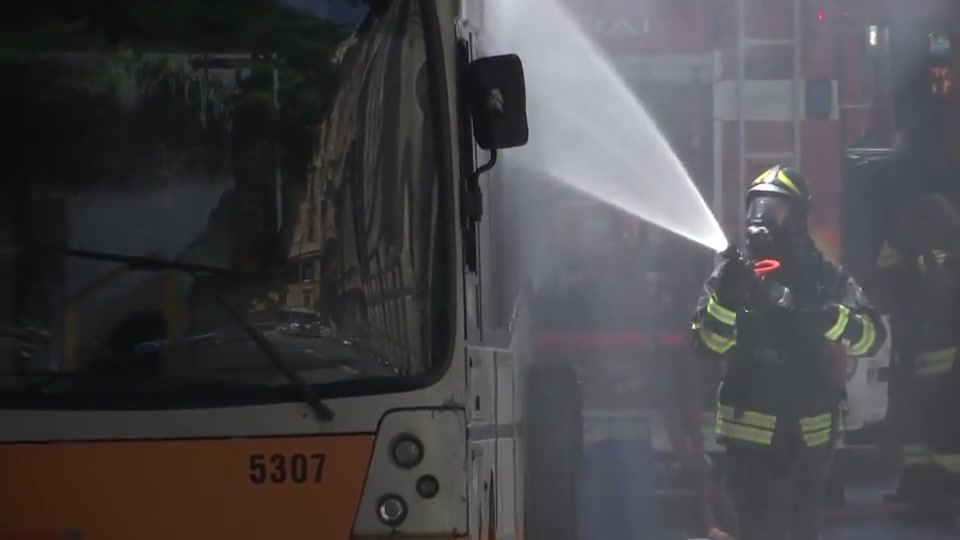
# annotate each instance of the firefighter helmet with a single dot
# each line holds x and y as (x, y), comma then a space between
(778, 204)
(786, 182)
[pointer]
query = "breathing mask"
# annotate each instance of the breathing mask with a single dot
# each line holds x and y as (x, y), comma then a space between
(771, 227)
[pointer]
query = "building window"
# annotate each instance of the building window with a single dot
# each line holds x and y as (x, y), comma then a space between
(306, 271)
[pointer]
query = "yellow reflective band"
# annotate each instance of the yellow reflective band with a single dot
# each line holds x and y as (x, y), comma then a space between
(769, 177)
(940, 255)
(918, 460)
(843, 318)
(744, 433)
(749, 418)
(921, 455)
(814, 423)
(889, 256)
(766, 176)
(715, 342)
(917, 455)
(816, 429)
(937, 362)
(950, 462)
(867, 338)
(781, 176)
(817, 438)
(720, 313)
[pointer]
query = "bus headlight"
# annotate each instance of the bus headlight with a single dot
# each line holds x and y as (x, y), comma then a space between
(391, 510)
(406, 451)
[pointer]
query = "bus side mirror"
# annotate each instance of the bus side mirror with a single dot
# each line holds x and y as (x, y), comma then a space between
(498, 102)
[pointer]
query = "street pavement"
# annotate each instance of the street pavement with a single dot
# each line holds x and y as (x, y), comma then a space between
(883, 528)
(877, 527)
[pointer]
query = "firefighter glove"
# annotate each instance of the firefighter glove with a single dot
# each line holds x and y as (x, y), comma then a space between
(733, 285)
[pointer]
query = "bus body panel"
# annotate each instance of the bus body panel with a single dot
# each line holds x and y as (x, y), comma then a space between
(243, 488)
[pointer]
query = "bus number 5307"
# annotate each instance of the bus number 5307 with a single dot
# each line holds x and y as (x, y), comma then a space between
(286, 468)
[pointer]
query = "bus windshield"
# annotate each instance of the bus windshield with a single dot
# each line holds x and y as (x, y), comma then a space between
(188, 170)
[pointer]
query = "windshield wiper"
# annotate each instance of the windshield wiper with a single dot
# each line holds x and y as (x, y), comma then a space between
(150, 264)
(308, 396)
(320, 409)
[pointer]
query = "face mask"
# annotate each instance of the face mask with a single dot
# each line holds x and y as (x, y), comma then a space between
(760, 244)
(769, 234)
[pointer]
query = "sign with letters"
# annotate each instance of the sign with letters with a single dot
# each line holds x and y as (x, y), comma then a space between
(941, 81)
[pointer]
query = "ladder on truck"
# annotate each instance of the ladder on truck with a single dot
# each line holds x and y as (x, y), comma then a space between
(788, 156)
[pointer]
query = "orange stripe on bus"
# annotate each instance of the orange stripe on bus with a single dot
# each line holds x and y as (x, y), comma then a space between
(287, 487)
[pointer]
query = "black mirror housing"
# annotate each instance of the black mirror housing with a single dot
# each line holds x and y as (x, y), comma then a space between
(498, 102)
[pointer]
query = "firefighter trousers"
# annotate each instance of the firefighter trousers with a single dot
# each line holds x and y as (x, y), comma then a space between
(930, 434)
(778, 491)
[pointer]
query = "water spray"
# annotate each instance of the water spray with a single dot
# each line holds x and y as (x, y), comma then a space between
(587, 128)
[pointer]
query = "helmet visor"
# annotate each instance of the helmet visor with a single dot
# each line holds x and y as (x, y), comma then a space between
(768, 209)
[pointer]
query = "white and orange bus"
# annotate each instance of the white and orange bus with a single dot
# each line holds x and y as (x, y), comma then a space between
(190, 177)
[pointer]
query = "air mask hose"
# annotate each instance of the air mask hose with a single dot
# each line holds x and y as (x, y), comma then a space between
(766, 266)
(760, 268)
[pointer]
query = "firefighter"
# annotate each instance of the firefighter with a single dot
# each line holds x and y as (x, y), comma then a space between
(922, 269)
(778, 403)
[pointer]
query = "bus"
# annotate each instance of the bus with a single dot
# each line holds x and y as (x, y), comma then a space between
(188, 170)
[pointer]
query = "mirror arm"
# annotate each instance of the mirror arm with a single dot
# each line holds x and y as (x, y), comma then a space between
(471, 210)
(486, 166)
(471, 202)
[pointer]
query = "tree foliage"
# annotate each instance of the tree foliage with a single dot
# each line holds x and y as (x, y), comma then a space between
(142, 114)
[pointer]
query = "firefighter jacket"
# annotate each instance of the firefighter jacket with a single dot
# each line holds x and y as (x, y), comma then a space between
(779, 374)
(926, 314)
